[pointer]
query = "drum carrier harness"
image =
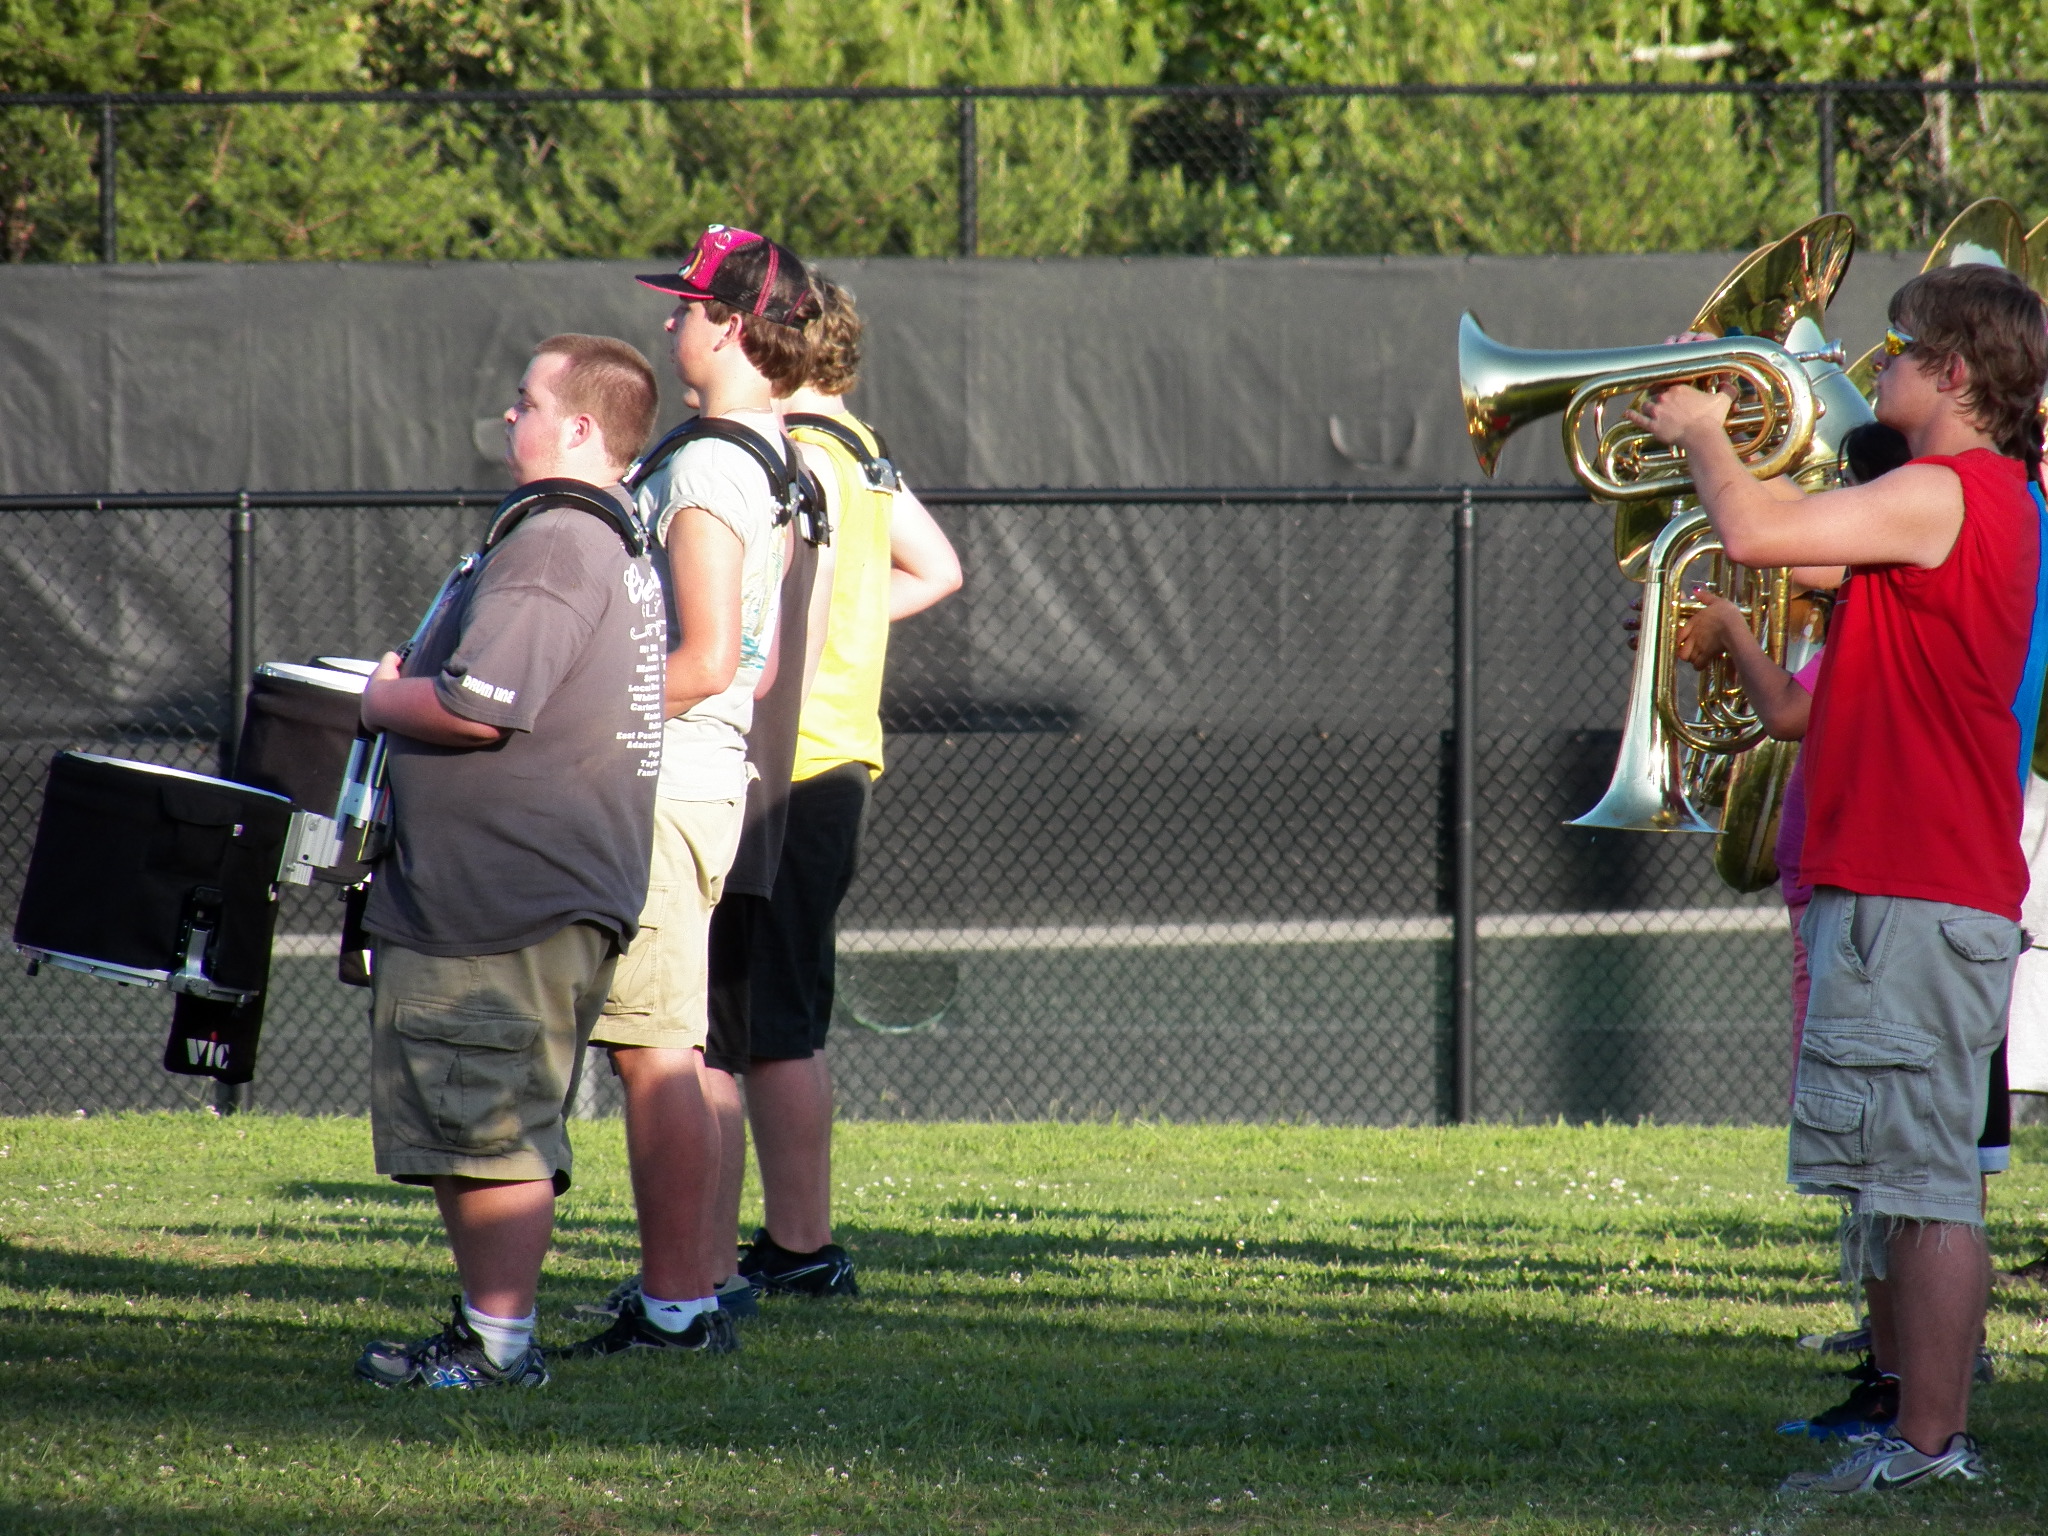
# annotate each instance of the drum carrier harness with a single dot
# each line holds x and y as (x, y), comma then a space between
(363, 817)
(795, 491)
(877, 468)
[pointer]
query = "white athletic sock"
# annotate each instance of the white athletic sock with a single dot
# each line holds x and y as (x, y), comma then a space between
(675, 1316)
(505, 1338)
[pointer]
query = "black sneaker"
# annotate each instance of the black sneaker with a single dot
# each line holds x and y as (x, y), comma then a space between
(738, 1297)
(2035, 1273)
(454, 1357)
(710, 1333)
(735, 1295)
(775, 1271)
(1850, 1341)
(608, 1306)
(1868, 1413)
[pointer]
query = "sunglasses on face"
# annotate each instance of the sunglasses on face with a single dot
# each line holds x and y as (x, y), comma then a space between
(1896, 341)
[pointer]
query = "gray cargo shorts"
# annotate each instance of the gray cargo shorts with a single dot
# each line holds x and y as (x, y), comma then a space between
(474, 1059)
(1908, 1006)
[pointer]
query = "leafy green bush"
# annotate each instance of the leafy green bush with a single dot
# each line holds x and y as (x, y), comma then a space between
(1231, 176)
(242, 182)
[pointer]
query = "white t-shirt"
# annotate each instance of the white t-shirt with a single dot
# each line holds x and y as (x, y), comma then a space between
(704, 752)
(2027, 1022)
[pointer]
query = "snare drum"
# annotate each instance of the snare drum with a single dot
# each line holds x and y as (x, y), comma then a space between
(298, 732)
(153, 875)
(354, 664)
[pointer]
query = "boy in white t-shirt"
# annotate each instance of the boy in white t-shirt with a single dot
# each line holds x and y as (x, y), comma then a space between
(716, 506)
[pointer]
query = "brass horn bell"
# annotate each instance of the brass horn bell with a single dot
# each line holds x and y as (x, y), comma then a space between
(1505, 388)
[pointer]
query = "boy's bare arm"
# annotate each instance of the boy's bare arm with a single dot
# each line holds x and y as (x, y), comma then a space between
(1780, 703)
(410, 706)
(1908, 517)
(1820, 578)
(705, 559)
(923, 566)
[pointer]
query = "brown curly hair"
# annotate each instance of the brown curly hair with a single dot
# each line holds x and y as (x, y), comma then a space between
(833, 339)
(776, 351)
(1995, 323)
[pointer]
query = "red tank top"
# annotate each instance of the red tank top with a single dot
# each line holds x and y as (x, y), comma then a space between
(1917, 751)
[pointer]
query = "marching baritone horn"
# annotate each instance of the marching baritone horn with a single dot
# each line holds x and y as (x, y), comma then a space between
(1794, 404)
(1505, 388)
(1671, 760)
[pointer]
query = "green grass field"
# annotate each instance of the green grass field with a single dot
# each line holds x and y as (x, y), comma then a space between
(1091, 1328)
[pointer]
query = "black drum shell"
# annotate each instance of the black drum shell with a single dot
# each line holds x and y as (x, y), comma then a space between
(120, 852)
(295, 740)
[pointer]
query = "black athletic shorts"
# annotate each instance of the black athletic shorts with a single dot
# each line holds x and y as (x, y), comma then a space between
(773, 958)
(1994, 1147)
(727, 979)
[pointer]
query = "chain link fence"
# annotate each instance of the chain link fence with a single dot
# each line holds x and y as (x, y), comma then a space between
(1167, 828)
(1509, 167)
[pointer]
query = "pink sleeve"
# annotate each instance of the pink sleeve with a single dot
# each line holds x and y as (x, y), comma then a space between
(1809, 675)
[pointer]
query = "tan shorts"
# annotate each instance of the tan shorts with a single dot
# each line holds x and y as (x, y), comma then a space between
(659, 994)
(473, 1060)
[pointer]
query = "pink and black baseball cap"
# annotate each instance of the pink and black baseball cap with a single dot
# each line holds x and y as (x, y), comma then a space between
(743, 271)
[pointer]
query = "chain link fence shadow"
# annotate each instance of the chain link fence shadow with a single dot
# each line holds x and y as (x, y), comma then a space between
(1164, 830)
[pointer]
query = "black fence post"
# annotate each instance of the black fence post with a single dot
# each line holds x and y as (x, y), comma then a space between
(1464, 797)
(1824, 105)
(110, 233)
(241, 624)
(970, 178)
(231, 1098)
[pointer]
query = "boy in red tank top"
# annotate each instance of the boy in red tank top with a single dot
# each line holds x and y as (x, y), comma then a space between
(1916, 759)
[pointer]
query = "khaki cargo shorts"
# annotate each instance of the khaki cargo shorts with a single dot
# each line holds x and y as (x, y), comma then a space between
(1908, 1007)
(473, 1060)
(660, 995)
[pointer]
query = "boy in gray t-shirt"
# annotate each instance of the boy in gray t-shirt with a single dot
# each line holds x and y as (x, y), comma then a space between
(524, 749)
(736, 336)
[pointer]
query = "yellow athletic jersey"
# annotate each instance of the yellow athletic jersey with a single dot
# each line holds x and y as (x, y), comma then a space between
(841, 720)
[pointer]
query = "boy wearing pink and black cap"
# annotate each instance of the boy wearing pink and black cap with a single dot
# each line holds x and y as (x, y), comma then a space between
(716, 505)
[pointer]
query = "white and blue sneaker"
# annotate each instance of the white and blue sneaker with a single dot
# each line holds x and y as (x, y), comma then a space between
(1888, 1464)
(453, 1358)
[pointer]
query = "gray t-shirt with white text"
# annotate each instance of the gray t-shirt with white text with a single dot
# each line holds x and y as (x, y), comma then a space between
(559, 639)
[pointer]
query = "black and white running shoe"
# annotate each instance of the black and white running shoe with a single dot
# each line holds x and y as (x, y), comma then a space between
(775, 1271)
(737, 1298)
(2034, 1273)
(608, 1305)
(1888, 1464)
(1850, 1341)
(453, 1358)
(1868, 1413)
(709, 1333)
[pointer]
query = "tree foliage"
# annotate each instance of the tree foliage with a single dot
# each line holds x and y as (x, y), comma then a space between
(1218, 176)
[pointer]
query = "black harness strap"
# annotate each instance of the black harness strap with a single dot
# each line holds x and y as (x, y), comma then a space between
(876, 467)
(544, 495)
(795, 490)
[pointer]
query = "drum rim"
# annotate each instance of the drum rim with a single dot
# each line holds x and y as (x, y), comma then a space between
(315, 676)
(178, 773)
